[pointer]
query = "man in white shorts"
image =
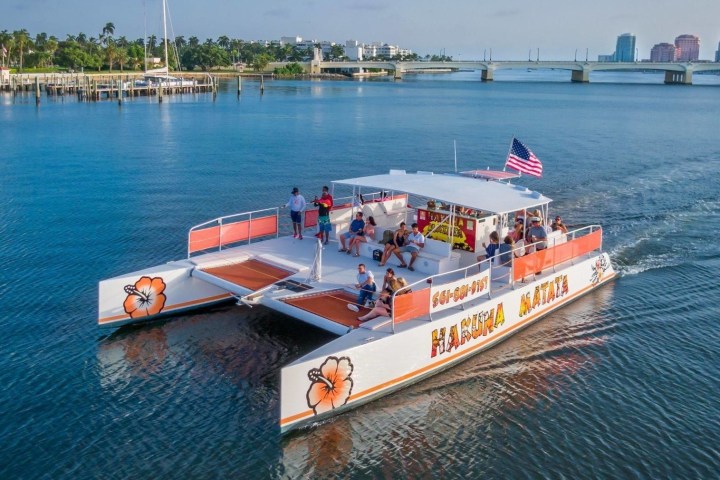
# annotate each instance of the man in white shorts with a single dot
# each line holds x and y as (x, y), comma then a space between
(414, 242)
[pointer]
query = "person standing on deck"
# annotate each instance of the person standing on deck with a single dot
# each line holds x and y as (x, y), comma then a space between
(324, 204)
(297, 205)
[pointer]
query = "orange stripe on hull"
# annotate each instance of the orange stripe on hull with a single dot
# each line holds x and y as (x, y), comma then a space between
(169, 309)
(438, 364)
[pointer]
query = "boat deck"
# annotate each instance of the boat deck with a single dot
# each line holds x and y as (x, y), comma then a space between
(277, 274)
(251, 274)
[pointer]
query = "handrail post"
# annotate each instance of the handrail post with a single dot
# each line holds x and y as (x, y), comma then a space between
(220, 221)
(250, 228)
(277, 220)
(189, 237)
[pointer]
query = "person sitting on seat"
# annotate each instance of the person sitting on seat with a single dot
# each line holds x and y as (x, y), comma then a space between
(366, 285)
(368, 233)
(383, 305)
(517, 233)
(356, 228)
(389, 281)
(505, 250)
(382, 308)
(397, 241)
(415, 241)
(537, 234)
(491, 249)
(559, 225)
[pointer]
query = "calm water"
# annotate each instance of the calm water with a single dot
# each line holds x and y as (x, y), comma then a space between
(620, 384)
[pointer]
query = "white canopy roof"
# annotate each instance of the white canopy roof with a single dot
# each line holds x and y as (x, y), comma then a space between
(488, 196)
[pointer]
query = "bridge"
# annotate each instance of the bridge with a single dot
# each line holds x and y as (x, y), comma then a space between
(675, 72)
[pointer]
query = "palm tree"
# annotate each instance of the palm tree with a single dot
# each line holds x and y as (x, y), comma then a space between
(108, 29)
(22, 40)
(193, 41)
(224, 42)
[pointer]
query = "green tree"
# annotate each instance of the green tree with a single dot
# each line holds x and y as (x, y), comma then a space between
(22, 42)
(260, 62)
(337, 52)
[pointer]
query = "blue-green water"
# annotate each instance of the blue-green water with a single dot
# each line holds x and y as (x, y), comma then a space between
(620, 384)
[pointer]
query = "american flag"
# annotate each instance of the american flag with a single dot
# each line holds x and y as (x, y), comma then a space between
(523, 160)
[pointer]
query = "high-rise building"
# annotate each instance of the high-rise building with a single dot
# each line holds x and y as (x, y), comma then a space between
(717, 53)
(663, 52)
(625, 48)
(689, 48)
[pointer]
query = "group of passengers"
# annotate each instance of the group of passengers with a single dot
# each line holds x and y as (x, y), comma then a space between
(359, 232)
(382, 307)
(535, 235)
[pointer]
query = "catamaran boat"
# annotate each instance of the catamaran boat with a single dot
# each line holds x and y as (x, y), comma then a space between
(454, 306)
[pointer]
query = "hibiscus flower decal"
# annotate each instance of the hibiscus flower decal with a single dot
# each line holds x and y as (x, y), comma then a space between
(145, 298)
(331, 384)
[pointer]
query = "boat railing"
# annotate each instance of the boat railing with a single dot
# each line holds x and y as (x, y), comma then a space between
(456, 288)
(233, 229)
(311, 214)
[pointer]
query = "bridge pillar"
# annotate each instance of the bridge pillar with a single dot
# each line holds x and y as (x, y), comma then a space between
(487, 75)
(580, 76)
(398, 72)
(684, 78)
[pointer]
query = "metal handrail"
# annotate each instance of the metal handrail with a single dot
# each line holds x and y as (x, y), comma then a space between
(573, 234)
(220, 221)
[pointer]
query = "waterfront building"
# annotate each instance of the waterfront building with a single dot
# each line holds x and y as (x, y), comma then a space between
(663, 52)
(606, 58)
(717, 53)
(625, 48)
(688, 48)
(353, 50)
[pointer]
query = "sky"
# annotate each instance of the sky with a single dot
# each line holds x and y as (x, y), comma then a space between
(463, 29)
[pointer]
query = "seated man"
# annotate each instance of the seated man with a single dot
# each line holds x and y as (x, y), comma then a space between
(537, 234)
(366, 284)
(414, 242)
(356, 228)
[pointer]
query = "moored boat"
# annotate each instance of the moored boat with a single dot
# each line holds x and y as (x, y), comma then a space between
(453, 307)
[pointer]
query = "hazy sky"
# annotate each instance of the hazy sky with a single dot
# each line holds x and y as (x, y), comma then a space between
(464, 28)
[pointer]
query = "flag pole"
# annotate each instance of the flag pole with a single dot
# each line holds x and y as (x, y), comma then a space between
(508, 154)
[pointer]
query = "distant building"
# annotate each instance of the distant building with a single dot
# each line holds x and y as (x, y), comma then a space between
(688, 48)
(353, 50)
(625, 48)
(663, 52)
(606, 58)
(290, 40)
(717, 53)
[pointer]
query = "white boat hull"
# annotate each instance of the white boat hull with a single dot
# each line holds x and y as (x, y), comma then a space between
(373, 361)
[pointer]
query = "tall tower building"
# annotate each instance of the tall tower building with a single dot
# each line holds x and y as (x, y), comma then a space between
(689, 48)
(663, 52)
(717, 53)
(625, 48)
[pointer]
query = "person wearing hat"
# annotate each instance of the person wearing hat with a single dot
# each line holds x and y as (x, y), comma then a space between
(297, 206)
(537, 234)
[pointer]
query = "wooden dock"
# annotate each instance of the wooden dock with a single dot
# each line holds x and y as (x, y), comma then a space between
(105, 86)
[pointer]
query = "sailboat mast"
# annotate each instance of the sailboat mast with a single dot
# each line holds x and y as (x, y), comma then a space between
(167, 64)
